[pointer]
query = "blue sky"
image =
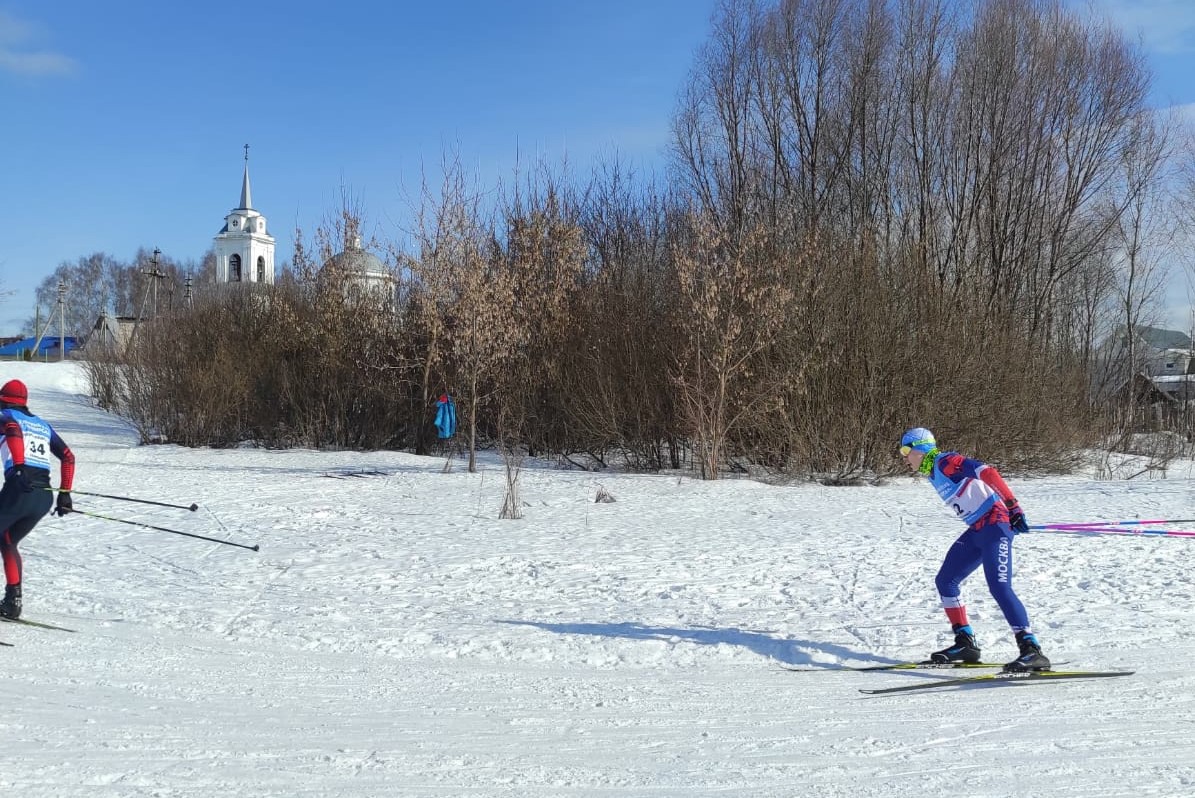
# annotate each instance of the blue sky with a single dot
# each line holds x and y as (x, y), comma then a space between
(123, 122)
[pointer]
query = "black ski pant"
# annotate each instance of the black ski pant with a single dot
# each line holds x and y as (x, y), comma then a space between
(20, 510)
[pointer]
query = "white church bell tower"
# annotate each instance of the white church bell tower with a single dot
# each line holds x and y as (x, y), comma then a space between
(244, 251)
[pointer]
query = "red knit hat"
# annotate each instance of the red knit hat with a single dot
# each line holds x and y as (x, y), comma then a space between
(14, 392)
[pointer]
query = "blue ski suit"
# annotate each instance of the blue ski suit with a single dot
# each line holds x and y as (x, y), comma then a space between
(982, 500)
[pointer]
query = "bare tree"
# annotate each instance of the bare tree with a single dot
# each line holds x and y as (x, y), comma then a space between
(1144, 239)
(545, 251)
(711, 129)
(436, 219)
(466, 301)
(1186, 206)
(617, 392)
(91, 286)
(733, 308)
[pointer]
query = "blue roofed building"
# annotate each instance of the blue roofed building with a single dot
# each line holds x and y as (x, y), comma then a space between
(47, 349)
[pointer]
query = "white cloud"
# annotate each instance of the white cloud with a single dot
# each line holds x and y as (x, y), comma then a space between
(1165, 26)
(16, 56)
(35, 63)
(13, 30)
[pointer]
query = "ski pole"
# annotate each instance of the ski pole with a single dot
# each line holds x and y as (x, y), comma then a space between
(1111, 530)
(1117, 530)
(192, 508)
(1079, 524)
(171, 531)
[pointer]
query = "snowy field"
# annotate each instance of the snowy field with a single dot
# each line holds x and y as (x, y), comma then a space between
(394, 638)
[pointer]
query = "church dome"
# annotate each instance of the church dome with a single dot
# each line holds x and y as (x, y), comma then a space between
(360, 273)
(356, 261)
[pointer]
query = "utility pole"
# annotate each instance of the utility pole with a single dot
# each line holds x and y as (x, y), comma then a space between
(155, 275)
(41, 331)
(61, 320)
(187, 292)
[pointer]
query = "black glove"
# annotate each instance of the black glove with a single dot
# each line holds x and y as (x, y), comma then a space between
(1016, 520)
(64, 503)
(18, 476)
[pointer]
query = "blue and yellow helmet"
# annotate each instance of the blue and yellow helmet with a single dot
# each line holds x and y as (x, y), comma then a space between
(918, 439)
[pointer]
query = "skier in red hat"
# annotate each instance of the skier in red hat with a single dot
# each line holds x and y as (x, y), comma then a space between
(26, 443)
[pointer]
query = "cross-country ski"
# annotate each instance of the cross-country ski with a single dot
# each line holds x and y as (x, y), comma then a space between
(36, 624)
(1014, 677)
(899, 666)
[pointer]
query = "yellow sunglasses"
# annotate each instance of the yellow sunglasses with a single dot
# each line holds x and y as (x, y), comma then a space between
(908, 447)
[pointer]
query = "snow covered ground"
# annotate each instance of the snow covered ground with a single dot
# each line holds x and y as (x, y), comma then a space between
(394, 638)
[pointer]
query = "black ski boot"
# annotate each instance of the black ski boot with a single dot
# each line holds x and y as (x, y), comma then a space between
(965, 649)
(1031, 658)
(11, 606)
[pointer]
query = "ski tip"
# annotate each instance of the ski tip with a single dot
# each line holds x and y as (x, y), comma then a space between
(1110, 672)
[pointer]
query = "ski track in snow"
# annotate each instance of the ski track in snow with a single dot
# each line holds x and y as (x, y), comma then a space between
(394, 637)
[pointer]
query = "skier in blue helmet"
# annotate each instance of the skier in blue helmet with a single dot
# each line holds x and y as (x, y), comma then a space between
(983, 501)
